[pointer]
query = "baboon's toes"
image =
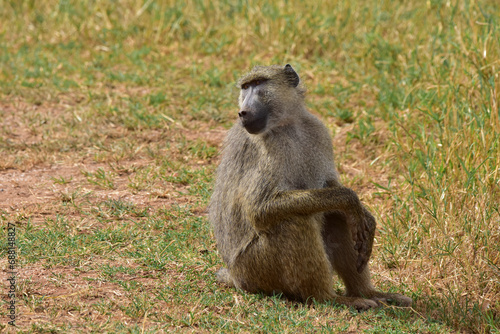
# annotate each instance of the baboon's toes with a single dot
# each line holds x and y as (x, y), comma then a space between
(393, 299)
(403, 301)
(364, 304)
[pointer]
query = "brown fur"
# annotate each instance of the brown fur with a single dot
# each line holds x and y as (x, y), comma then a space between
(282, 221)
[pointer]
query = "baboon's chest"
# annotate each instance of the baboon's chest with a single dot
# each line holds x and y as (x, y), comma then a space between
(299, 170)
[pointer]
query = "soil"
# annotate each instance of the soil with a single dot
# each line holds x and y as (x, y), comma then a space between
(36, 192)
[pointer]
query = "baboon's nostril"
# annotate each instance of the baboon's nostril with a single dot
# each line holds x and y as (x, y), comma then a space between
(242, 113)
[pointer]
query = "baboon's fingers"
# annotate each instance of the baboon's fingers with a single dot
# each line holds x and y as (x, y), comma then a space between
(363, 256)
(362, 231)
(354, 233)
(361, 263)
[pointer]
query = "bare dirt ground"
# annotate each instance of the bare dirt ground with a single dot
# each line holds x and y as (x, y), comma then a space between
(41, 191)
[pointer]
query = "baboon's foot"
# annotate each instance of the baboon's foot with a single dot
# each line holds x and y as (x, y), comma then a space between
(391, 299)
(359, 304)
(223, 276)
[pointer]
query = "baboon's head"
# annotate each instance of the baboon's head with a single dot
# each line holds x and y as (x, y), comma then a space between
(269, 96)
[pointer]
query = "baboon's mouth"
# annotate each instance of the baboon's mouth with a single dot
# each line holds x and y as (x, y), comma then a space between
(254, 126)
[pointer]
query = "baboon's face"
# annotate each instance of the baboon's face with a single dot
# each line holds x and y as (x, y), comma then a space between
(254, 109)
(264, 93)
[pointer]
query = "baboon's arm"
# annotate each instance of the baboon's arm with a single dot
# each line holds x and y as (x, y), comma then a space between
(287, 204)
(290, 203)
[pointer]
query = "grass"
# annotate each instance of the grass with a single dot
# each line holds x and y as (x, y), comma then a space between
(112, 115)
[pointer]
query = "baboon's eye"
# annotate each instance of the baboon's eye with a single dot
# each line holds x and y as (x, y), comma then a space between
(257, 82)
(253, 83)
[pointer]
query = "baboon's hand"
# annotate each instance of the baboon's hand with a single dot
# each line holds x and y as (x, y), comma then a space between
(363, 239)
(362, 227)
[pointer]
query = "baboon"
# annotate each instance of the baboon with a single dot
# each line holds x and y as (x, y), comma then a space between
(283, 223)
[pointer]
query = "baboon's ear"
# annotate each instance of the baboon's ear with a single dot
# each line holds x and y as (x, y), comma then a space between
(291, 75)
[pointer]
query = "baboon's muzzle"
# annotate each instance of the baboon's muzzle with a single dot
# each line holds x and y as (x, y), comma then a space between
(253, 122)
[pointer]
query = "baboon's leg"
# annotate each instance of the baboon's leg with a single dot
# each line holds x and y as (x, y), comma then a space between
(340, 250)
(302, 272)
(342, 255)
